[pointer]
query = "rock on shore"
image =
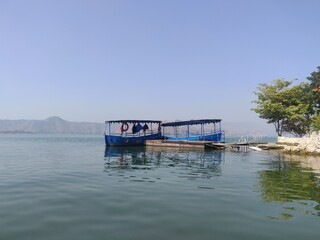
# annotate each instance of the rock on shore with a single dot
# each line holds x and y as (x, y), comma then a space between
(308, 144)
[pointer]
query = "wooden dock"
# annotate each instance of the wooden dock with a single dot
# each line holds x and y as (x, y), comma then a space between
(185, 144)
(236, 146)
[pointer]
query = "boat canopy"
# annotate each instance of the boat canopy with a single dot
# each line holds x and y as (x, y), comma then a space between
(133, 121)
(191, 122)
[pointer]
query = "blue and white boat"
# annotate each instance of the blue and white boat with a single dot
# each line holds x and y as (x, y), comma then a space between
(131, 132)
(193, 130)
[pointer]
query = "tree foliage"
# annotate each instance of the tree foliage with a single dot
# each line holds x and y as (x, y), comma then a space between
(315, 122)
(314, 90)
(283, 106)
(292, 109)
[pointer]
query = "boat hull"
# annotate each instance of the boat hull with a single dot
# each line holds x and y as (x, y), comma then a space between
(112, 140)
(216, 137)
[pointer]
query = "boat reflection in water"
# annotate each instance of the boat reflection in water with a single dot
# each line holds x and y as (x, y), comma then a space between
(183, 162)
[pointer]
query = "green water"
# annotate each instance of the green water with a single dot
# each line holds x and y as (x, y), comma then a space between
(69, 187)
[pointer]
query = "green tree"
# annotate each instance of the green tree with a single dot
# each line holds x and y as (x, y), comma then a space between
(315, 122)
(299, 111)
(313, 90)
(270, 103)
(284, 106)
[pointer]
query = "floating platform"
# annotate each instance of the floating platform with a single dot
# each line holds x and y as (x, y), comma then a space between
(204, 145)
(186, 144)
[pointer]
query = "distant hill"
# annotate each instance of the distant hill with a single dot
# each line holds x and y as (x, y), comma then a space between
(233, 129)
(59, 125)
(50, 125)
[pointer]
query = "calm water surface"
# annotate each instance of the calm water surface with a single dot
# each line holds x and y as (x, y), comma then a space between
(71, 187)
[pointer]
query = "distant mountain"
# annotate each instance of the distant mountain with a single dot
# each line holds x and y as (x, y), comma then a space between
(50, 125)
(59, 125)
(233, 129)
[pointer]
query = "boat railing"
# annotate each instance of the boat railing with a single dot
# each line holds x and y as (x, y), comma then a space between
(138, 134)
(198, 133)
(193, 133)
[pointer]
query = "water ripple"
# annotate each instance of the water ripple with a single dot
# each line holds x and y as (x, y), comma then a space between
(56, 187)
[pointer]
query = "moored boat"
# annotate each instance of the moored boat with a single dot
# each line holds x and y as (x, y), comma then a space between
(131, 132)
(194, 130)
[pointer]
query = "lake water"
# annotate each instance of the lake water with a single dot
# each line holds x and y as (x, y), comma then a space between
(71, 187)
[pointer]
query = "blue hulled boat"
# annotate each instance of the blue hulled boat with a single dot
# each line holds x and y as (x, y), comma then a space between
(193, 130)
(131, 132)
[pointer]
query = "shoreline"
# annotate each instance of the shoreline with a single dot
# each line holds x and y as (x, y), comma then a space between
(305, 145)
(308, 145)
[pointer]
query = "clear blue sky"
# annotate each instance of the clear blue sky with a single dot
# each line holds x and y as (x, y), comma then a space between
(165, 59)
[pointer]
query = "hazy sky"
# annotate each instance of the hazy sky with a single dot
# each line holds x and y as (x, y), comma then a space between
(165, 59)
